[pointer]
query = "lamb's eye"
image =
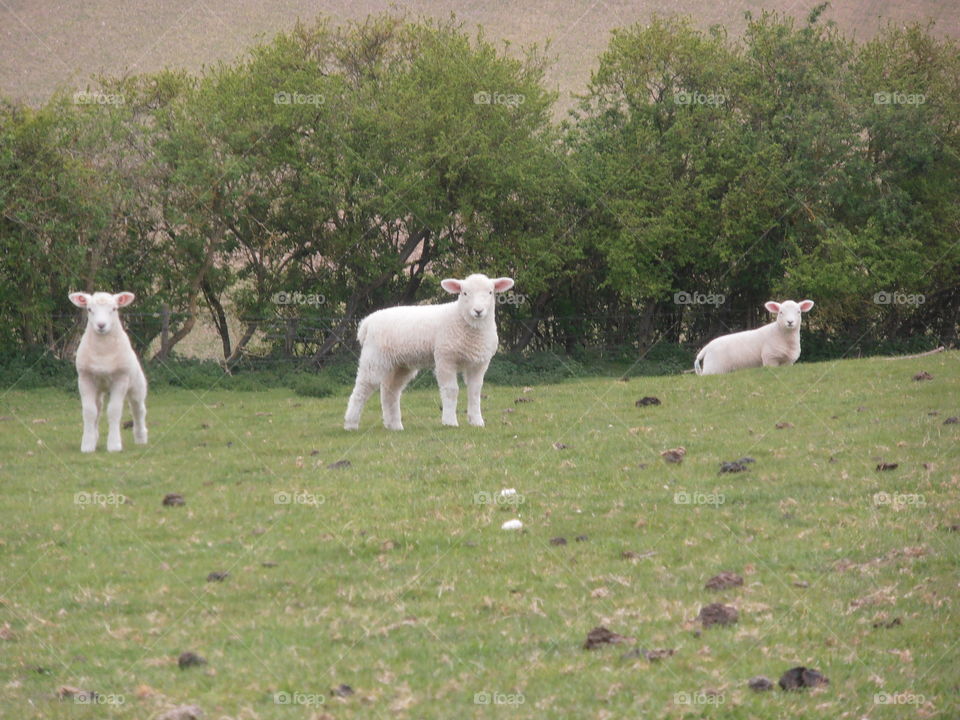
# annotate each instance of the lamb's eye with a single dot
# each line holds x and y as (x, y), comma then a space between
(464, 293)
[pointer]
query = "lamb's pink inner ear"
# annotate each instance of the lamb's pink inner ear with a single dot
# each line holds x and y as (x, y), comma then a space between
(79, 299)
(772, 306)
(451, 285)
(502, 284)
(805, 305)
(123, 299)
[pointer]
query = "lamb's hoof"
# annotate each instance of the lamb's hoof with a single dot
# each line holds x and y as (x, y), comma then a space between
(477, 423)
(142, 440)
(450, 423)
(116, 448)
(351, 426)
(398, 426)
(88, 448)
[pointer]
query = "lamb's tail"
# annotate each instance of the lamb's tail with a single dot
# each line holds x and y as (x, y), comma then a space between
(698, 363)
(362, 331)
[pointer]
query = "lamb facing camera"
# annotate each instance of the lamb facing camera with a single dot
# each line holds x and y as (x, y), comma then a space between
(776, 343)
(397, 342)
(106, 363)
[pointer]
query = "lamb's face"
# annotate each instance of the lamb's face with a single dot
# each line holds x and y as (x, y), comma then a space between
(102, 309)
(789, 313)
(476, 295)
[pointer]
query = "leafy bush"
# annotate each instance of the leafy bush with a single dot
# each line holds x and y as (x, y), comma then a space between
(36, 369)
(317, 386)
(662, 359)
(543, 367)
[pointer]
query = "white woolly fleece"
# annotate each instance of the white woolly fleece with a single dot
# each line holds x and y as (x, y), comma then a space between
(460, 336)
(105, 363)
(777, 343)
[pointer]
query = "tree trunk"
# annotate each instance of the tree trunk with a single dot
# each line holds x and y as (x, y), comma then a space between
(530, 326)
(184, 330)
(336, 335)
(234, 357)
(219, 317)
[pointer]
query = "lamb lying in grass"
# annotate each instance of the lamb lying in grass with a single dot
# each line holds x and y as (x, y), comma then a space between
(106, 362)
(777, 343)
(460, 336)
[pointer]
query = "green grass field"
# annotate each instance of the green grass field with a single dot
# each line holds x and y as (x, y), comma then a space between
(393, 575)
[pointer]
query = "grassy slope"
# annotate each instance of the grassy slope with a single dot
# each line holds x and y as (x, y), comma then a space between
(46, 44)
(399, 584)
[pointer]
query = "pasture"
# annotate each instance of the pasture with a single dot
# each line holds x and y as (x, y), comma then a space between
(376, 560)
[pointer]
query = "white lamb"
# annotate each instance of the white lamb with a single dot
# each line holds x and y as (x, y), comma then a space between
(106, 362)
(460, 336)
(777, 343)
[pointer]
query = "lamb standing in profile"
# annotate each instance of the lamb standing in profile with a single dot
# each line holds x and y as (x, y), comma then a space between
(460, 336)
(106, 362)
(777, 343)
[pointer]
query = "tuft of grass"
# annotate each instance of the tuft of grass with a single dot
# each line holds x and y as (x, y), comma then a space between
(391, 574)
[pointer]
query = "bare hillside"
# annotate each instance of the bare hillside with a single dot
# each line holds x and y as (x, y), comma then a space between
(49, 43)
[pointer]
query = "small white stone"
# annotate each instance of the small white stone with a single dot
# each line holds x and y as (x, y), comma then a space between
(508, 492)
(512, 525)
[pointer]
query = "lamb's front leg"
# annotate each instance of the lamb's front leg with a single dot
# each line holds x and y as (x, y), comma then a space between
(118, 393)
(447, 380)
(772, 360)
(90, 403)
(473, 376)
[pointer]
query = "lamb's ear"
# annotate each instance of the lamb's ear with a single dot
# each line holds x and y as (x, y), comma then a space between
(451, 285)
(805, 305)
(772, 306)
(124, 298)
(502, 284)
(81, 300)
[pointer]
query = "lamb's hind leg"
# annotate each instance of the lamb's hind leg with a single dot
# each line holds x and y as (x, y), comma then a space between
(367, 382)
(390, 390)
